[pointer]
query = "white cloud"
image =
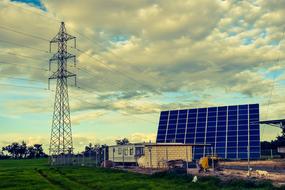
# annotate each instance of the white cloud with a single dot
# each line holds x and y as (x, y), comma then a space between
(194, 47)
(77, 119)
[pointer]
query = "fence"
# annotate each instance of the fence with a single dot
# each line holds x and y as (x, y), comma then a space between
(269, 154)
(91, 158)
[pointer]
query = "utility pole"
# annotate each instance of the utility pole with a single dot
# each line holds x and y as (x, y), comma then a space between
(61, 134)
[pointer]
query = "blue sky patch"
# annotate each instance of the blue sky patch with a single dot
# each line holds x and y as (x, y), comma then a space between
(263, 34)
(274, 42)
(119, 38)
(247, 41)
(232, 33)
(33, 3)
(274, 74)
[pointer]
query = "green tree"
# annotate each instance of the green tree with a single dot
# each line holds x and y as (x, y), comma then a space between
(122, 141)
(21, 150)
(12, 149)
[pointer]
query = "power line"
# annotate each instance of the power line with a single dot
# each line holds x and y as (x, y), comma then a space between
(126, 114)
(23, 79)
(21, 86)
(110, 68)
(106, 80)
(113, 70)
(274, 77)
(46, 16)
(23, 56)
(274, 80)
(117, 55)
(79, 87)
(22, 33)
(79, 50)
(40, 68)
(33, 36)
(57, 21)
(114, 54)
(43, 69)
(21, 65)
(21, 45)
(92, 92)
(46, 89)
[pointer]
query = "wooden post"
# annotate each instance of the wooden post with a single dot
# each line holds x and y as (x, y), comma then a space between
(150, 156)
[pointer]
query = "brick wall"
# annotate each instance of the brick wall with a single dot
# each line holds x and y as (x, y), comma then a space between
(157, 156)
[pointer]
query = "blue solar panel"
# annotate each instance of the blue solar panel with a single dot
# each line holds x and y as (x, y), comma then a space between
(230, 130)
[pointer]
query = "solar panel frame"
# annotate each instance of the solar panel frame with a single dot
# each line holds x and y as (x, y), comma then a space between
(229, 129)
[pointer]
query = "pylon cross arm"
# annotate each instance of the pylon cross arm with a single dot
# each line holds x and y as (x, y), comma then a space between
(59, 56)
(62, 37)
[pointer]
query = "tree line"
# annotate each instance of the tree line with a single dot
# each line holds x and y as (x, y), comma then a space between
(278, 142)
(98, 150)
(22, 150)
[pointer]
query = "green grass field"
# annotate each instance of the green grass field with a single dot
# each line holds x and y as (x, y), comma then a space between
(36, 174)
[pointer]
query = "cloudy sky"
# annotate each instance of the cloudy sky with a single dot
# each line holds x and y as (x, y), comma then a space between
(136, 58)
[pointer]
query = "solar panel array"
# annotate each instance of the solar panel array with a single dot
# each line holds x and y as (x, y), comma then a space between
(230, 130)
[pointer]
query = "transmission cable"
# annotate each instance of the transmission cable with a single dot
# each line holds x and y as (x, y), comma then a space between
(22, 65)
(274, 79)
(21, 86)
(79, 50)
(21, 45)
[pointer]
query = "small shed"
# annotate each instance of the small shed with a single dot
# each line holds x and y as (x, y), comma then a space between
(157, 155)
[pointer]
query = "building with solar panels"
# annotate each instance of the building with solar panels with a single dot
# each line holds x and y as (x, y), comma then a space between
(232, 131)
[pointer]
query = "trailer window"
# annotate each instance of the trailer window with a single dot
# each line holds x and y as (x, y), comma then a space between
(139, 151)
(125, 151)
(119, 151)
(131, 151)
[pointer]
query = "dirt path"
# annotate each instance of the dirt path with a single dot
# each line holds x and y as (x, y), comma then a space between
(278, 164)
(277, 178)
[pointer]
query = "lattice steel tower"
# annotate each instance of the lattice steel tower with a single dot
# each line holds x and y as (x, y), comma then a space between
(61, 134)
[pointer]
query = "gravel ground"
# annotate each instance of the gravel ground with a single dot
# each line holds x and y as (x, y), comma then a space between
(278, 179)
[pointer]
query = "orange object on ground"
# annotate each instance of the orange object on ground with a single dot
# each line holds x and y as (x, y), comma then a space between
(204, 163)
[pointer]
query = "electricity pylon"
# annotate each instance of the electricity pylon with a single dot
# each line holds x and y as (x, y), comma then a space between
(61, 134)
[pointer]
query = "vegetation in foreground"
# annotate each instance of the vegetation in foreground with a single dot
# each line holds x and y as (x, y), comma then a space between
(36, 174)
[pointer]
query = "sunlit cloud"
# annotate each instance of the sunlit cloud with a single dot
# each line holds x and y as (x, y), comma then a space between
(137, 58)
